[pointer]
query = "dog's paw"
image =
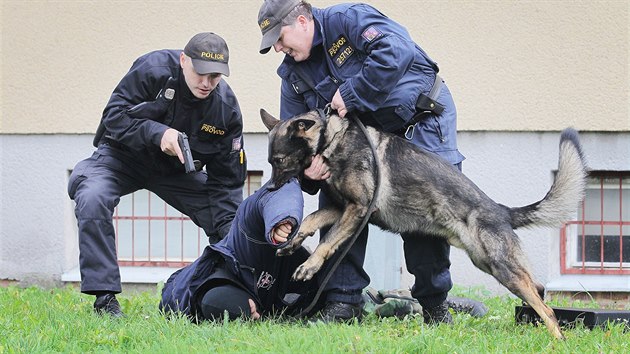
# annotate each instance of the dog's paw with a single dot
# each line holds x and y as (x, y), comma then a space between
(302, 273)
(290, 247)
(285, 251)
(307, 270)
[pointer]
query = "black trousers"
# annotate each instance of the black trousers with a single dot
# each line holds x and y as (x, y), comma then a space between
(97, 184)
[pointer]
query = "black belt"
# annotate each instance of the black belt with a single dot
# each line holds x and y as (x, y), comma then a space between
(113, 143)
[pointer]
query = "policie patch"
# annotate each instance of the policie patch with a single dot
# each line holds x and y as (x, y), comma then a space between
(340, 51)
(371, 33)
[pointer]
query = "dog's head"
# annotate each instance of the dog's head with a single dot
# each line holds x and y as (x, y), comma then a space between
(292, 143)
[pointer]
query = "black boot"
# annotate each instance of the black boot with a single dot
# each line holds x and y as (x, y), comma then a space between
(437, 314)
(339, 312)
(466, 305)
(107, 304)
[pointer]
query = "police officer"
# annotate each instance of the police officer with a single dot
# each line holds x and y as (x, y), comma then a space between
(164, 93)
(360, 61)
(241, 274)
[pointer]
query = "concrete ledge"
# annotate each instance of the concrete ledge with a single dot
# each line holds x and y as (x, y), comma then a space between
(590, 283)
(136, 275)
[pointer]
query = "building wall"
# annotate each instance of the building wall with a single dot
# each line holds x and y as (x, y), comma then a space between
(39, 238)
(520, 71)
(511, 65)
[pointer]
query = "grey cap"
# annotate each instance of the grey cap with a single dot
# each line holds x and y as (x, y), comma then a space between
(209, 54)
(270, 20)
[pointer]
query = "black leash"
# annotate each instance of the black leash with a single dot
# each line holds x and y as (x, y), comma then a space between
(425, 104)
(366, 218)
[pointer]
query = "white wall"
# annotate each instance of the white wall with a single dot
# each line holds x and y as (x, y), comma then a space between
(512, 66)
(38, 234)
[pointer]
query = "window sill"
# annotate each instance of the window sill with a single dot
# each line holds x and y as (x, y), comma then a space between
(573, 282)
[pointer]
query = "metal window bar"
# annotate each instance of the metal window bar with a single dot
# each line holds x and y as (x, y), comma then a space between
(603, 266)
(166, 253)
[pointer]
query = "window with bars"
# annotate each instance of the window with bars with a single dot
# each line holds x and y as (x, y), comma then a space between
(598, 241)
(150, 232)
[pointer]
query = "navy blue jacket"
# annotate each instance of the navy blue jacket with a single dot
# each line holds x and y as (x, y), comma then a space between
(247, 253)
(134, 118)
(375, 64)
(138, 114)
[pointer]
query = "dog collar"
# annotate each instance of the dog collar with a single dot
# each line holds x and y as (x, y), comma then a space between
(323, 116)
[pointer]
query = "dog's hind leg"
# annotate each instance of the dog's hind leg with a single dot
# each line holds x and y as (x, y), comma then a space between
(320, 218)
(522, 285)
(506, 261)
(494, 248)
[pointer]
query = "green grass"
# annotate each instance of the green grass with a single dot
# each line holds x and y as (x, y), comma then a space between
(34, 320)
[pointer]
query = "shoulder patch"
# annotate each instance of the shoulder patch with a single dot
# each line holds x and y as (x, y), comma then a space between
(371, 33)
(236, 144)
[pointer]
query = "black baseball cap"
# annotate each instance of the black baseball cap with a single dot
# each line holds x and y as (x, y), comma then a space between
(209, 54)
(270, 20)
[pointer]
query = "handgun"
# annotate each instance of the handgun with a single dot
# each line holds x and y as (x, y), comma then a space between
(189, 164)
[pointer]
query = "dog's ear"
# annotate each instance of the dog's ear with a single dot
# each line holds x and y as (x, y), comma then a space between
(268, 120)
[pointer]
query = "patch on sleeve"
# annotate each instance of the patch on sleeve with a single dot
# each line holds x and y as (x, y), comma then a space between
(371, 33)
(236, 144)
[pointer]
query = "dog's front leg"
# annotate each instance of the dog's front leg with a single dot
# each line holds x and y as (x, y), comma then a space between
(320, 218)
(340, 232)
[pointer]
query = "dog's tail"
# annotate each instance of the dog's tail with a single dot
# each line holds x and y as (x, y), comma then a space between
(566, 192)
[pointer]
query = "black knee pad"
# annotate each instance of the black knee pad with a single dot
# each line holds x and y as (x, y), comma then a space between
(223, 298)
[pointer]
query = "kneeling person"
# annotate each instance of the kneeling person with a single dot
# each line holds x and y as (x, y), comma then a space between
(241, 274)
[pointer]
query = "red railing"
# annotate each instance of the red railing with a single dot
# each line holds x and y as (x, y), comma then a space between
(148, 238)
(148, 259)
(574, 256)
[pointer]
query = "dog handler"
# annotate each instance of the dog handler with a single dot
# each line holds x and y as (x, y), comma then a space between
(164, 93)
(241, 274)
(358, 60)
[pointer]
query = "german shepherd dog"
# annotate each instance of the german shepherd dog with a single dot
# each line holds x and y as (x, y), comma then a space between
(419, 192)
